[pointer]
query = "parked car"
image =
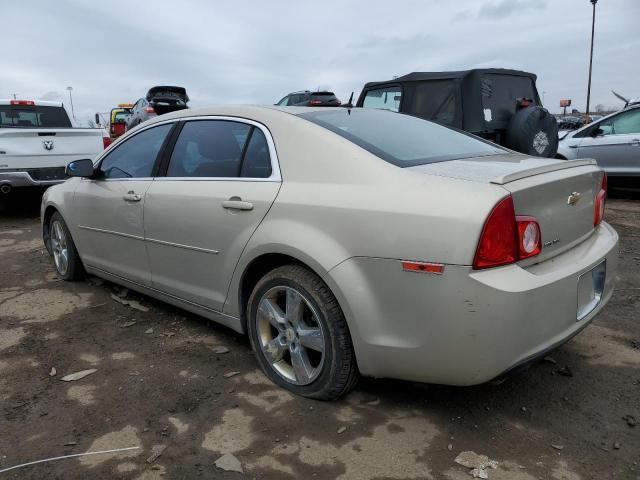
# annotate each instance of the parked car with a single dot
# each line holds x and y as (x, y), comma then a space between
(570, 123)
(398, 248)
(500, 105)
(614, 141)
(158, 101)
(38, 140)
(310, 99)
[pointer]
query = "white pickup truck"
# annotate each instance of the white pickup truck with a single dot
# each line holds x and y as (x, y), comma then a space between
(38, 140)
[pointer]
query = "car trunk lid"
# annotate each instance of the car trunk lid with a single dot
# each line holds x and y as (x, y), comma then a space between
(165, 99)
(559, 194)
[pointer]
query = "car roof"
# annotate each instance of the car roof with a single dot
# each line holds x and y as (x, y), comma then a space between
(421, 76)
(38, 103)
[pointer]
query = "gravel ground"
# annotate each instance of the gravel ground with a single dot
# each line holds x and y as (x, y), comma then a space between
(162, 383)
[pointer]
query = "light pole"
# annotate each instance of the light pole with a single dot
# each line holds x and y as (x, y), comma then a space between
(543, 94)
(73, 114)
(593, 26)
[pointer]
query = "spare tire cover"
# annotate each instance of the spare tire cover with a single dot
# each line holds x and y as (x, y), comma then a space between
(533, 131)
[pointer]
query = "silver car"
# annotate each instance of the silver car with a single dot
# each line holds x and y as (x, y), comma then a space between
(344, 242)
(614, 141)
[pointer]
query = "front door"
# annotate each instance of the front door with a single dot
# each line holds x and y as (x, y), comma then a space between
(219, 184)
(617, 148)
(109, 209)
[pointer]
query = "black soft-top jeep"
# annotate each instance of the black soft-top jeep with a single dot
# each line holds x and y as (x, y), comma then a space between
(499, 105)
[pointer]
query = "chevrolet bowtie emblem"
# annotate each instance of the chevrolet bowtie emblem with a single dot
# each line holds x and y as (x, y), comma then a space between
(573, 198)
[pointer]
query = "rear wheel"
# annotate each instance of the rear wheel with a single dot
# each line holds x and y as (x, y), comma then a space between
(299, 334)
(65, 256)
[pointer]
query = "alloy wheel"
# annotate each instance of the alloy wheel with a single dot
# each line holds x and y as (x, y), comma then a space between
(291, 336)
(59, 248)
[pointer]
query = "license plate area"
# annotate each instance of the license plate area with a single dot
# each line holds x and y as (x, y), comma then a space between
(590, 289)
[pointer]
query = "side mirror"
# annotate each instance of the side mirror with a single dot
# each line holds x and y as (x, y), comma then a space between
(80, 168)
(597, 132)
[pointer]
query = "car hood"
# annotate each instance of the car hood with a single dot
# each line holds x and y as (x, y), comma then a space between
(497, 169)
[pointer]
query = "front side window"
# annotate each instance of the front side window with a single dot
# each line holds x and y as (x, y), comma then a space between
(384, 98)
(400, 139)
(136, 156)
(220, 148)
(626, 122)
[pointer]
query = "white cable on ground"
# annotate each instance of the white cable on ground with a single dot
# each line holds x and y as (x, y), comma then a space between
(67, 456)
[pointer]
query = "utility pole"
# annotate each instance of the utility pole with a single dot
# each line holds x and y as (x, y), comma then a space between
(71, 100)
(593, 26)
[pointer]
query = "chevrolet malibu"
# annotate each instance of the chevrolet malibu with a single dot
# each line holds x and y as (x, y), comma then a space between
(344, 242)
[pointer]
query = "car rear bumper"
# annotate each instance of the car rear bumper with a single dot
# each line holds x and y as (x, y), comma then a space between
(466, 327)
(33, 177)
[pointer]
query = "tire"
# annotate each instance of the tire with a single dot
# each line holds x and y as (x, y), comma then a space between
(533, 131)
(60, 241)
(325, 373)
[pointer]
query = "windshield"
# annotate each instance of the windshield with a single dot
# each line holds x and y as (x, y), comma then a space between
(400, 139)
(26, 116)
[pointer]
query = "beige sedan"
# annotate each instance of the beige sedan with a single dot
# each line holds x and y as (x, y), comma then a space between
(344, 242)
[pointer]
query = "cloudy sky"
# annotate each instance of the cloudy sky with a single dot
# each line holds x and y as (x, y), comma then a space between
(112, 51)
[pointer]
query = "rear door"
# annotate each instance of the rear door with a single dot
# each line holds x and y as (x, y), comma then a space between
(617, 149)
(221, 179)
(108, 211)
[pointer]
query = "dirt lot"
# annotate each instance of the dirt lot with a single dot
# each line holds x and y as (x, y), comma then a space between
(159, 382)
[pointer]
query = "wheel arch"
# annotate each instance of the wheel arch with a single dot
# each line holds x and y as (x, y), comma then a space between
(46, 220)
(257, 268)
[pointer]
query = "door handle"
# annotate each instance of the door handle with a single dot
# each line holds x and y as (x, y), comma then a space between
(635, 142)
(236, 203)
(131, 196)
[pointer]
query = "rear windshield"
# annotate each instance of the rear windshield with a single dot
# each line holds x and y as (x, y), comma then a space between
(323, 94)
(24, 116)
(401, 139)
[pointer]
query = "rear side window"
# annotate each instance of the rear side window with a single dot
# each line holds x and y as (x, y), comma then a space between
(136, 156)
(384, 98)
(402, 140)
(220, 148)
(25, 116)
(257, 162)
(435, 100)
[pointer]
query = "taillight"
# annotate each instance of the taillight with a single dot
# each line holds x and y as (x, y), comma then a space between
(23, 102)
(106, 141)
(601, 197)
(315, 102)
(507, 238)
(529, 238)
(149, 110)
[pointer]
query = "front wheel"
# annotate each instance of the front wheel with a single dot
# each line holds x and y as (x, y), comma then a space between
(299, 334)
(63, 250)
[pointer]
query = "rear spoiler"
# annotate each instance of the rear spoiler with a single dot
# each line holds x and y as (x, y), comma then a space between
(511, 177)
(155, 91)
